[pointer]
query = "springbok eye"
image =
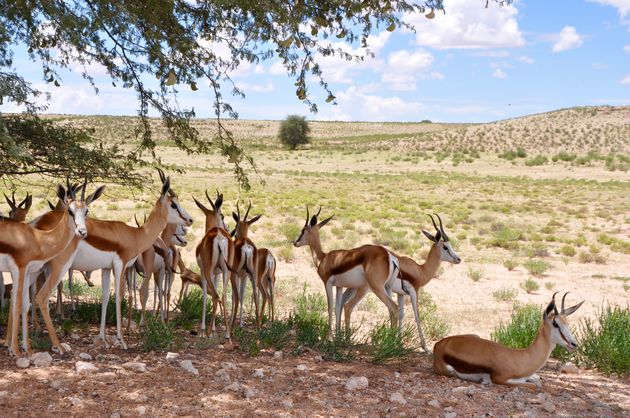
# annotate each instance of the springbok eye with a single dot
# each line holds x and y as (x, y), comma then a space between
(555, 324)
(173, 205)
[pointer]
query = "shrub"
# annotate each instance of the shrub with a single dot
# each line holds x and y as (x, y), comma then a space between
(433, 326)
(190, 308)
(294, 131)
(510, 264)
(156, 334)
(537, 160)
(568, 250)
(505, 237)
(311, 325)
(504, 295)
(475, 274)
(536, 267)
(388, 343)
(530, 285)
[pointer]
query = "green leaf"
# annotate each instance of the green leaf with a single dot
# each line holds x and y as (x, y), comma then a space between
(57, 83)
(342, 34)
(391, 27)
(330, 98)
(172, 78)
(301, 93)
(286, 43)
(193, 86)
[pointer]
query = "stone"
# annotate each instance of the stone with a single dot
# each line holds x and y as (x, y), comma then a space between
(171, 357)
(22, 363)
(228, 365)
(135, 366)
(287, 403)
(75, 401)
(85, 357)
(435, 403)
(233, 387)
(114, 415)
(249, 393)
(357, 382)
(301, 367)
(41, 359)
(56, 384)
(569, 368)
(75, 336)
(278, 355)
(397, 397)
(3, 393)
(85, 367)
(468, 390)
(318, 359)
(188, 366)
(450, 414)
(549, 407)
(141, 410)
(66, 347)
(259, 373)
(223, 375)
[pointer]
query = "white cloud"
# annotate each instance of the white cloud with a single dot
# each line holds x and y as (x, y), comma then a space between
(499, 73)
(568, 38)
(257, 88)
(467, 24)
(358, 104)
(259, 69)
(404, 68)
(277, 68)
(626, 48)
(525, 59)
(622, 6)
(625, 80)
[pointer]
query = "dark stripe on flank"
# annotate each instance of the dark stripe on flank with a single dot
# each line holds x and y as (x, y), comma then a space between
(464, 367)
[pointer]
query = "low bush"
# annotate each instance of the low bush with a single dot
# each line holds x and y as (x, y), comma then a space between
(389, 343)
(536, 267)
(504, 295)
(530, 285)
(156, 335)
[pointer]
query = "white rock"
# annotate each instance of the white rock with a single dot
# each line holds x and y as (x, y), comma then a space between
(397, 397)
(318, 359)
(301, 367)
(42, 359)
(56, 384)
(549, 407)
(135, 366)
(172, 356)
(260, 373)
(249, 393)
(114, 415)
(141, 410)
(66, 347)
(74, 336)
(450, 415)
(22, 363)
(468, 390)
(85, 367)
(234, 387)
(85, 357)
(188, 366)
(278, 355)
(75, 401)
(228, 365)
(287, 403)
(570, 368)
(434, 403)
(3, 393)
(357, 382)
(223, 375)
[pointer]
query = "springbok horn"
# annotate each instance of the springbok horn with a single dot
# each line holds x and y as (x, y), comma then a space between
(442, 228)
(9, 201)
(434, 224)
(318, 212)
(248, 208)
(307, 216)
(238, 209)
(562, 306)
(553, 298)
(136, 219)
(210, 200)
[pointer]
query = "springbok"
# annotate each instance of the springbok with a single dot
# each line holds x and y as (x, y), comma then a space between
(267, 281)
(188, 277)
(215, 255)
(245, 261)
(366, 266)
(24, 250)
(470, 357)
(412, 277)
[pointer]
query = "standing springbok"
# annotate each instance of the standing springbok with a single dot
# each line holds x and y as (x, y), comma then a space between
(366, 266)
(470, 357)
(245, 261)
(267, 281)
(412, 277)
(215, 254)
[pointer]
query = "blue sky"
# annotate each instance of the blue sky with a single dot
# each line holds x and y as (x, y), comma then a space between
(470, 65)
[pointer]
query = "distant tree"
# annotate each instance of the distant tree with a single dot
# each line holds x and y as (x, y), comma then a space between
(177, 42)
(294, 131)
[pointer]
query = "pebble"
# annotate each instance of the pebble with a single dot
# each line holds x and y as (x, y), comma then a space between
(549, 407)
(357, 382)
(234, 387)
(260, 373)
(85, 367)
(397, 397)
(135, 366)
(56, 384)
(66, 347)
(85, 357)
(141, 410)
(301, 367)
(22, 363)
(188, 366)
(287, 403)
(468, 390)
(172, 356)
(75, 401)
(434, 403)
(249, 393)
(114, 415)
(450, 415)
(75, 336)
(569, 368)
(278, 355)
(3, 393)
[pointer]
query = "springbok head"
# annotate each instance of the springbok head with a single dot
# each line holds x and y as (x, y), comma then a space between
(310, 230)
(442, 243)
(242, 224)
(176, 213)
(19, 211)
(214, 217)
(556, 323)
(79, 208)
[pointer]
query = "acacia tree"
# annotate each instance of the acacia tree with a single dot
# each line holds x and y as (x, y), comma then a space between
(176, 43)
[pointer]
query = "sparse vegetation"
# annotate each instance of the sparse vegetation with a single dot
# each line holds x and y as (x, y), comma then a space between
(504, 295)
(536, 268)
(475, 274)
(294, 131)
(530, 285)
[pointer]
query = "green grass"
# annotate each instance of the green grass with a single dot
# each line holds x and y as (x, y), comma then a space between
(156, 335)
(530, 285)
(475, 274)
(536, 268)
(504, 295)
(434, 326)
(389, 344)
(190, 307)
(510, 264)
(568, 250)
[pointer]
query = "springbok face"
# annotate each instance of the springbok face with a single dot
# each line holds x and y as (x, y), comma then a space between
(179, 240)
(242, 225)
(557, 323)
(176, 213)
(310, 230)
(214, 217)
(441, 241)
(181, 230)
(19, 211)
(79, 209)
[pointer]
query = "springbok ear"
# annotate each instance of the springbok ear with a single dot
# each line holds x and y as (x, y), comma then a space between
(165, 186)
(204, 209)
(313, 221)
(97, 193)
(235, 217)
(28, 201)
(9, 202)
(428, 235)
(324, 222)
(62, 194)
(549, 309)
(218, 202)
(572, 309)
(254, 219)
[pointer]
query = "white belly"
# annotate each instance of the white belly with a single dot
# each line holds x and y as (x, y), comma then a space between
(353, 278)
(6, 263)
(89, 258)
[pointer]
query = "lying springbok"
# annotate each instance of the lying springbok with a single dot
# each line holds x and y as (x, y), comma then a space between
(412, 277)
(366, 266)
(188, 277)
(470, 357)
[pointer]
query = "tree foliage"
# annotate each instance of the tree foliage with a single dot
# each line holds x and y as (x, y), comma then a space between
(158, 48)
(294, 131)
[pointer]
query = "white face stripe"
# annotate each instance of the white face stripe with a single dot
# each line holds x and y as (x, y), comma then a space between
(79, 215)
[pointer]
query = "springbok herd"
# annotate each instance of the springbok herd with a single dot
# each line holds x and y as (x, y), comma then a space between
(38, 254)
